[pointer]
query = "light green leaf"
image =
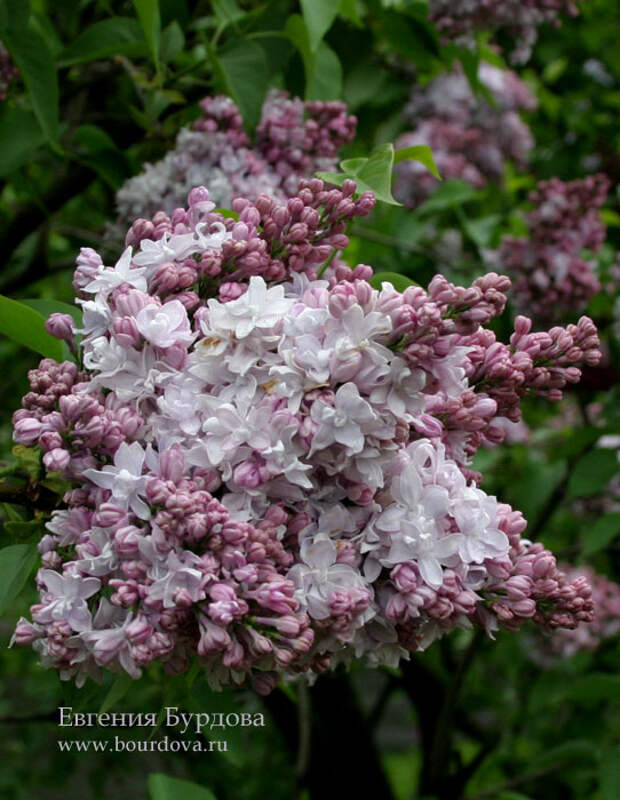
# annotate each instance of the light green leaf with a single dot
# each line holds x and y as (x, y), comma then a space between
(20, 134)
(32, 55)
(448, 195)
(118, 35)
(376, 174)
(421, 153)
(602, 533)
(26, 326)
(398, 281)
(163, 787)
(349, 10)
(319, 16)
(593, 472)
(28, 460)
(243, 70)
(16, 563)
(150, 20)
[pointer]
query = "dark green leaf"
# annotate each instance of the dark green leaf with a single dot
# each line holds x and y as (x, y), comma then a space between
(163, 787)
(593, 472)
(319, 16)
(121, 685)
(20, 134)
(243, 69)
(148, 14)
(16, 563)
(322, 68)
(32, 55)
(47, 307)
(98, 150)
(609, 772)
(26, 326)
(172, 42)
(602, 533)
(118, 35)
(21, 532)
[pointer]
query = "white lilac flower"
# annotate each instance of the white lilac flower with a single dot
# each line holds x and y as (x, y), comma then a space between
(259, 307)
(125, 479)
(165, 326)
(345, 422)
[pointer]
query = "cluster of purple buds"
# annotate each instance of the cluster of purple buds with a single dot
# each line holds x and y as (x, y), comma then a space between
(293, 140)
(470, 139)
(459, 20)
(551, 275)
(8, 72)
(268, 457)
(565, 642)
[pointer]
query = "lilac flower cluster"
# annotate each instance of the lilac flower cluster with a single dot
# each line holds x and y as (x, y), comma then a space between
(459, 20)
(268, 456)
(293, 140)
(606, 623)
(8, 72)
(551, 276)
(470, 139)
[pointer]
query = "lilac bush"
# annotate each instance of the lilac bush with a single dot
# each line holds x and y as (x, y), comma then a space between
(552, 276)
(459, 20)
(470, 139)
(294, 139)
(268, 458)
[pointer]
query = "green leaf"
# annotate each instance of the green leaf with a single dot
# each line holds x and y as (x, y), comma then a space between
(16, 564)
(118, 35)
(121, 685)
(602, 533)
(325, 82)
(243, 70)
(32, 55)
(47, 307)
(421, 153)
(172, 42)
(163, 787)
(20, 134)
(609, 772)
(376, 174)
(593, 472)
(99, 151)
(21, 532)
(227, 12)
(26, 326)
(319, 16)
(398, 281)
(448, 194)
(28, 460)
(148, 14)
(322, 68)
(594, 687)
(349, 10)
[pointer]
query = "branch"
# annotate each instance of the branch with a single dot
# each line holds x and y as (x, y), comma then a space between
(30, 494)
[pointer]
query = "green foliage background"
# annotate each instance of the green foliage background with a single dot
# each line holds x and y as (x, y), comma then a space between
(105, 87)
